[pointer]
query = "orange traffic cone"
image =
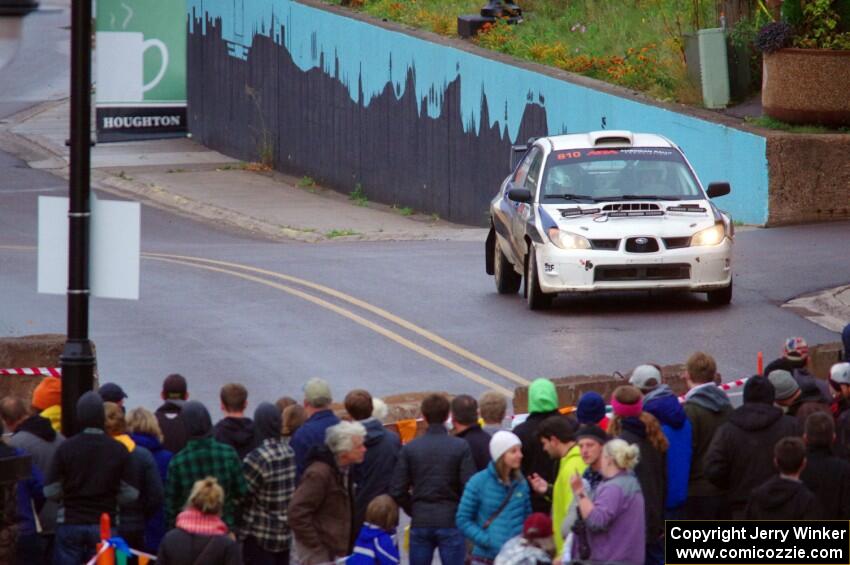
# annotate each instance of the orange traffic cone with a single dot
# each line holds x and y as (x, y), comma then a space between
(108, 556)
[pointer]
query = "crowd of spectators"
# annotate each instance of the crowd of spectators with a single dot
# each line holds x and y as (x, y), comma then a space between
(302, 483)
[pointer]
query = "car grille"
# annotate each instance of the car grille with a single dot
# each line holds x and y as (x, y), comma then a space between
(635, 246)
(677, 242)
(671, 272)
(606, 244)
(630, 207)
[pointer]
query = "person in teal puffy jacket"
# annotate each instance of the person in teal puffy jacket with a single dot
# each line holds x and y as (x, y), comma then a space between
(496, 501)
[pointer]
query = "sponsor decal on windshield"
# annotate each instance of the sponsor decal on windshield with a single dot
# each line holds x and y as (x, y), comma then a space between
(643, 153)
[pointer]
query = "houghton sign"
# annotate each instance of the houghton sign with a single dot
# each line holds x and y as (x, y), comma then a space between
(141, 69)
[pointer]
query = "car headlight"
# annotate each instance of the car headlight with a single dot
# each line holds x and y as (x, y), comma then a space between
(567, 240)
(709, 236)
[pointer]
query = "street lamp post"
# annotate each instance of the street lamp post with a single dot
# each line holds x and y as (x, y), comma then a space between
(78, 359)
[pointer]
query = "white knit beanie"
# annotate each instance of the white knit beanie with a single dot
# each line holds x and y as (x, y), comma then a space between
(501, 442)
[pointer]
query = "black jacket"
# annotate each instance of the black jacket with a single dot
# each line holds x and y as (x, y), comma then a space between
(740, 457)
(479, 444)
(171, 423)
(372, 477)
(89, 472)
(238, 433)
(535, 459)
(828, 477)
(651, 472)
(809, 394)
(143, 474)
(782, 499)
(179, 547)
(429, 477)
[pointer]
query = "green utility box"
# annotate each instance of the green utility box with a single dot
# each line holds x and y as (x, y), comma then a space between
(706, 56)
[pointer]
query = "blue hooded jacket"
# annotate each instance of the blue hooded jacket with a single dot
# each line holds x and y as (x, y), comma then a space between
(29, 497)
(665, 406)
(155, 525)
(374, 546)
(482, 496)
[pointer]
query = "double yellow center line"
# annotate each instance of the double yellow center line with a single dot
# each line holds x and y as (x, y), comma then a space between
(273, 279)
(256, 275)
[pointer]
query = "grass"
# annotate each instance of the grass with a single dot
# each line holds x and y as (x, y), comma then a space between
(405, 211)
(635, 43)
(770, 123)
(308, 183)
(358, 196)
(340, 233)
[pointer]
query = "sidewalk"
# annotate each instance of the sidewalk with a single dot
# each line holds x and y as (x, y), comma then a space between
(182, 175)
(828, 308)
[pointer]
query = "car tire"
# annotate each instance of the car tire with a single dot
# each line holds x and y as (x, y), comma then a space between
(721, 296)
(535, 297)
(508, 281)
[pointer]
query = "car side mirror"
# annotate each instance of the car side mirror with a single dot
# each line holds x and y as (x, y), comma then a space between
(519, 195)
(717, 189)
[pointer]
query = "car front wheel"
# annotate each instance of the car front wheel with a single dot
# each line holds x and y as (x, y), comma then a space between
(537, 300)
(721, 296)
(507, 279)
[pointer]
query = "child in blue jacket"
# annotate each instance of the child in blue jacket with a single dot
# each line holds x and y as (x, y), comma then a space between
(375, 544)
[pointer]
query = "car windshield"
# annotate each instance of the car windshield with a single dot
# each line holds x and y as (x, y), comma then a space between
(595, 175)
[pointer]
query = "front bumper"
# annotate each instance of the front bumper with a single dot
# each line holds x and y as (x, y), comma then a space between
(698, 269)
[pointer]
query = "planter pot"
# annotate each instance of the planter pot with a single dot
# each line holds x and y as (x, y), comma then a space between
(807, 86)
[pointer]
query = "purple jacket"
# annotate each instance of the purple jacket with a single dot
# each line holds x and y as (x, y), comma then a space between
(616, 528)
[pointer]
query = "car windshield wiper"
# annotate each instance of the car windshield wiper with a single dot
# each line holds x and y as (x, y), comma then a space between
(571, 197)
(640, 197)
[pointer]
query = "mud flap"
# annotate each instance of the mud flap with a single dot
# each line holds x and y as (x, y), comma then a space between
(489, 251)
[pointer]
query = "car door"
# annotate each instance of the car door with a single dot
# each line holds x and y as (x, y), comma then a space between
(523, 211)
(507, 211)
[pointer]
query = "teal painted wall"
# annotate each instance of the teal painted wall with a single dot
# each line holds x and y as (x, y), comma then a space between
(366, 58)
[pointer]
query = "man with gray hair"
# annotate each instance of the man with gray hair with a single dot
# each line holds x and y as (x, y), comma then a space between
(317, 402)
(321, 511)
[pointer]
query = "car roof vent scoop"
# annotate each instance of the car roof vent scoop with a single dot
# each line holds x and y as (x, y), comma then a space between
(611, 138)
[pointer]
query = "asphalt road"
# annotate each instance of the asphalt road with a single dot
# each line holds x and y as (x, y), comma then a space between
(258, 317)
(273, 333)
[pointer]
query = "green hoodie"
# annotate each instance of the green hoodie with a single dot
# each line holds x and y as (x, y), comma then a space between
(542, 396)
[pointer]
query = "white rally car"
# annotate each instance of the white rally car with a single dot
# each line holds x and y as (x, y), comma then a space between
(608, 210)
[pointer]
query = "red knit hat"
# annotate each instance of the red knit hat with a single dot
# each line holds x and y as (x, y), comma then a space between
(48, 393)
(538, 525)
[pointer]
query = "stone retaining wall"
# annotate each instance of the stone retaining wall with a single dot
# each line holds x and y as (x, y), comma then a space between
(809, 178)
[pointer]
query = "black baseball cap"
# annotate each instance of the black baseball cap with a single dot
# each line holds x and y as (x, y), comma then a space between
(111, 392)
